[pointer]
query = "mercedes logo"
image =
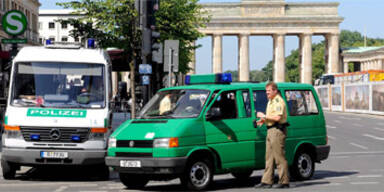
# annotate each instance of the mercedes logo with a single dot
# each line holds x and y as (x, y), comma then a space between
(55, 134)
(131, 143)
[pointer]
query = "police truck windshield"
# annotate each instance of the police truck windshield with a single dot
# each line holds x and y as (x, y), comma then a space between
(58, 85)
(175, 104)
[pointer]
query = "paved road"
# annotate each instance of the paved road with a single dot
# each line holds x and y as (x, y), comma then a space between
(355, 164)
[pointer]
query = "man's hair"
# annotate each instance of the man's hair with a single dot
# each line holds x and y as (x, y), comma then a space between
(272, 85)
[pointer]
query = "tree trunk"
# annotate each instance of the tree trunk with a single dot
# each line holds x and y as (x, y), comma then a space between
(133, 92)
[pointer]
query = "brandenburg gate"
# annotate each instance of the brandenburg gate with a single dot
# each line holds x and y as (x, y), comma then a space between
(278, 19)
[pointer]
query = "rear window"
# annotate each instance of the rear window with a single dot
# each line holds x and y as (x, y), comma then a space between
(301, 102)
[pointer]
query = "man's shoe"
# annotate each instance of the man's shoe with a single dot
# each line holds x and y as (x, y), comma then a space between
(263, 186)
(281, 186)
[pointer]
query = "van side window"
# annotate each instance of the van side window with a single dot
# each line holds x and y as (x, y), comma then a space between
(226, 102)
(247, 103)
(260, 100)
(301, 103)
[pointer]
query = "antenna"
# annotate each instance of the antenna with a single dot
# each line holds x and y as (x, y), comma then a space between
(365, 36)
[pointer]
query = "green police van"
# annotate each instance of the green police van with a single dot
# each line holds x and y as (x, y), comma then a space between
(207, 127)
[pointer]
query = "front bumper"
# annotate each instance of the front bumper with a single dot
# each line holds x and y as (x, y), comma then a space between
(150, 165)
(322, 152)
(32, 157)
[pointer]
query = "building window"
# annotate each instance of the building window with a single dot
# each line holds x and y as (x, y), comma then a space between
(40, 26)
(41, 40)
(76, 39)
(52, 39)
(51, 25)
(64, 25)
(64, 39)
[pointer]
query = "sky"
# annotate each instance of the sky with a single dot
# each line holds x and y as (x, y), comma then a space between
(363, 16)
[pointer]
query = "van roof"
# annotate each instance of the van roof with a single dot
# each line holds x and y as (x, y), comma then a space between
(240, 85)
(43, 54)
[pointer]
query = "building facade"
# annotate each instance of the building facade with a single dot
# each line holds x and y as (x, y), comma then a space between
(364, 58)
(31, 10)
(51, 28)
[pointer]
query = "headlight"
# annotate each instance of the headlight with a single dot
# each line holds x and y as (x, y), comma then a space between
(98, 134)
(12, 132)
(111, 142)
(166, 142)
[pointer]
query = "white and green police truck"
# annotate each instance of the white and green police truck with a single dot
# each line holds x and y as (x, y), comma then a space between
(58, 110)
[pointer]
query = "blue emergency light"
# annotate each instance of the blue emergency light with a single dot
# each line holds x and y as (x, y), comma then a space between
(91, 43)
(35, 137)
(220, 78)
(75, 137)
(48, 42)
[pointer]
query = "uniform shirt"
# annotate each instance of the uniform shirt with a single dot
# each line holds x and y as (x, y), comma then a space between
(276, 107)
(165, 105)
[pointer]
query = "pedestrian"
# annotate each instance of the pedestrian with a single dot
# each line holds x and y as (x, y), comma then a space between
(276, 121)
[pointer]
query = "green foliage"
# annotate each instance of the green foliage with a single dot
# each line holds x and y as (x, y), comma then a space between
(347, 39)
(181, 19)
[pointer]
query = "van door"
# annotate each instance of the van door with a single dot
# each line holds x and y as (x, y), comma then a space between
(260, 102)
(231, 131)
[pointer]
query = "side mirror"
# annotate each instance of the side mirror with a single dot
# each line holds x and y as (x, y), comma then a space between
(213, 114)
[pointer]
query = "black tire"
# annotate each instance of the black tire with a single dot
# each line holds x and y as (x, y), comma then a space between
(104, 172)
(242, 176)
(303, 166)
(133, 181)
(198, 174)
(9, 170)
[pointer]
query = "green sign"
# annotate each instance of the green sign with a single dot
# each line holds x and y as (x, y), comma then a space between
(14, 22)
(11, 41)
(72, 113)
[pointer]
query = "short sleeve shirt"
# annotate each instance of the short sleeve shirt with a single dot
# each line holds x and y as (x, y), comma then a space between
(165, 105)
(276, 107)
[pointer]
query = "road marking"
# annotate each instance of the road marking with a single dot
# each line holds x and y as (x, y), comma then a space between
(332, 184)
(369, 176)
(358, 153)
(331, 137)
(364, 183)
(342, 177)
(62, 188)
(380, 129)
(340, 157)
(331, 127)
(349, 118)
(337, 121)
(359, 146)
(374, 137)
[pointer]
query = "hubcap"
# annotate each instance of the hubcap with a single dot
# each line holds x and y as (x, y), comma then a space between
(305, 165)
(199, 174)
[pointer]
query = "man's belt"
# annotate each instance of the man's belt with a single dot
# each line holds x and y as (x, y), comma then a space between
(280, 126)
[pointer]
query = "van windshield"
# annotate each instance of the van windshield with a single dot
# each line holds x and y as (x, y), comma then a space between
(58, 85)
(182, 103)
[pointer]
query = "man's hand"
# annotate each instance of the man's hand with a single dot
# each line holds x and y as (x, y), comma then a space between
(260, 122)
(260, 115)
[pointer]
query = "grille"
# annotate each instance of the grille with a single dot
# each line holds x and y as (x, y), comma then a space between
(129, 154)
(65, 134)
(136, 143)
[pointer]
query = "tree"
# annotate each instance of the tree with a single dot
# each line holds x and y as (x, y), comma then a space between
(180, 20)
(113, 23)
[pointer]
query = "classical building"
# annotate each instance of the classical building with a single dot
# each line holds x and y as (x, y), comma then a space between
(278, 19)
(51, 28)
(364, 58)
(31, 10)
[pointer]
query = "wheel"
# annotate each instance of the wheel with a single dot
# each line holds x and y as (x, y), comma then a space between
(242, 176)
(198, 174)
(9, 170)
(303, 166)
(133, 181)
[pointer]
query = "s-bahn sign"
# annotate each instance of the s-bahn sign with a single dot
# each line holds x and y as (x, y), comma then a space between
(14, 22)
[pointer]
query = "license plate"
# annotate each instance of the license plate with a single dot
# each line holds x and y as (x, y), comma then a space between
(54, 154)
(125, 163)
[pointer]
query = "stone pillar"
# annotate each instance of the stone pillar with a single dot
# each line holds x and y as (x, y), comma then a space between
(279, 58)
(380, 61)
(192, 63)
(114, 83)
(345, 67)
(306, 58)
(243, 57)
(333, 53)
(217, 53)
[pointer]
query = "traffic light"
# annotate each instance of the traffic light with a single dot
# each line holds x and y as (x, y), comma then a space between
(157, 48)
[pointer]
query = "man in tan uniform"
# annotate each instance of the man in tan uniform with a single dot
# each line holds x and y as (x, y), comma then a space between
(276, 120)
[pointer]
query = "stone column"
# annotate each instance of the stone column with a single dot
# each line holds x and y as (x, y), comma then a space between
(279, 58)
(333, 53)
(114, 83)
(217, 53)
(345, 67)
(306, 58)
(380, 61)
(192, 63)
(243, 57)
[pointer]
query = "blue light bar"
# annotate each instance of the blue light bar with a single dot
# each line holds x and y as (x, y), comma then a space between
(75, 137)
(188, 79)
(35, 137)
(224, 78)
(91, 43)
(48, 42)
